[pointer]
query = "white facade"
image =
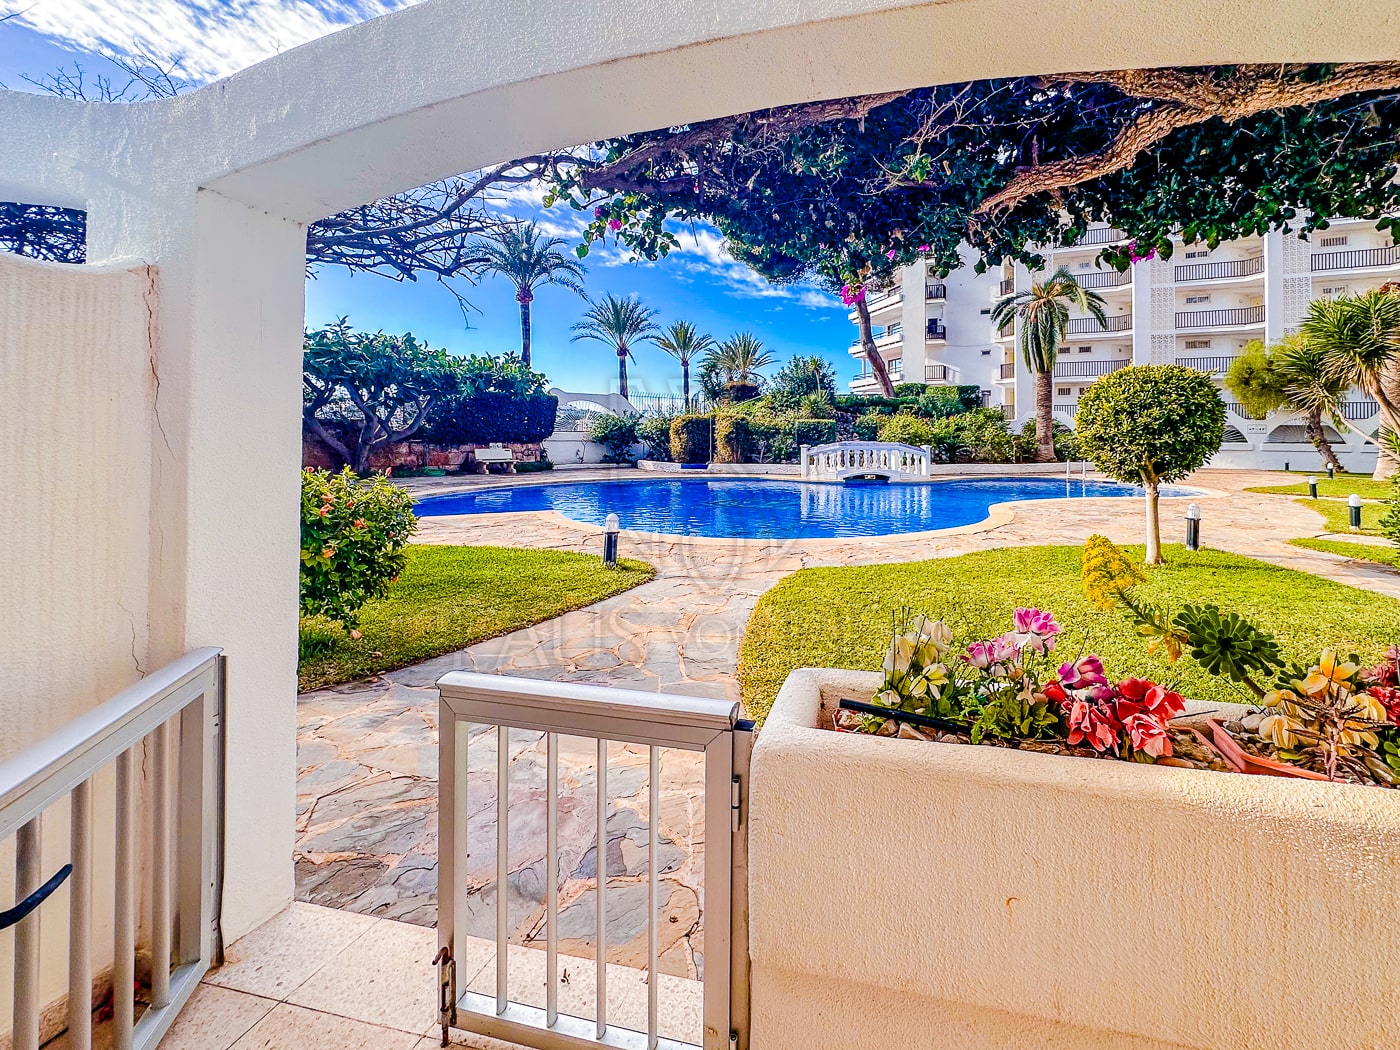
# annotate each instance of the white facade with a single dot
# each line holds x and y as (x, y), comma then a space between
(1199, 309)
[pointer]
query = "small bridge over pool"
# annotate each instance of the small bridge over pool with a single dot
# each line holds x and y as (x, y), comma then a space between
(844, 460)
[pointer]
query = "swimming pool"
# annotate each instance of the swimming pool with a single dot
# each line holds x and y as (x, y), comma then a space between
(767, 508)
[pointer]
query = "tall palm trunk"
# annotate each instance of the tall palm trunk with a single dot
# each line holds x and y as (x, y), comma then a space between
(1319, 439)
(524, 298)
(622, 370)
(1044, 418)
(867, 342)
(685, 383)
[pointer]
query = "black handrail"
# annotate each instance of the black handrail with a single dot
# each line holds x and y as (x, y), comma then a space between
(14, 916)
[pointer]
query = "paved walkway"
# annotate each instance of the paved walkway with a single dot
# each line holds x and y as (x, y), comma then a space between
(366, 835)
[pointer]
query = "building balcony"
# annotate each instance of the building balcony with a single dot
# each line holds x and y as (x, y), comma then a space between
(1221, 271)
(1359, 259)
(1244, 413)
(1356, 411)
(1237, 317)
(1107, 235)
(1088, 369)
(1105, 279)
(1007, 370)
(936, 291)
(936, 331)
(1215, 366)
(935, 373)
(1091, 326)
(1070, 409)
(1007, 287)
(1008, 411)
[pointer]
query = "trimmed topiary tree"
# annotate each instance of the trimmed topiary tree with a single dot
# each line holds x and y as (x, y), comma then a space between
(1150, 424)
(690, 438)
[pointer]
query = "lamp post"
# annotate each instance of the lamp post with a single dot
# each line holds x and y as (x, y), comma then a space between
(611, 526)
(1193, 527)
(1331, 472)
(1312, 485)
(1354, 511)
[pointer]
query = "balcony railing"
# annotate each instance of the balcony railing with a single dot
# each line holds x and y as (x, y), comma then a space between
(897, 369)
(1009, 411)
(1090, 326)
(1355, 410)
(885, 298)
(1070, 410)
(1087, 369)
(1242, 315)
(1007, 286)
(935, 291)
(1007, 332)
(936, 329)
(1355, 260)
(1104, 236)
(935, 373)
(1220, 270)
(1210, 365)
(1244, 413)
(890, 332)
(1107, 279)
(1008, 370)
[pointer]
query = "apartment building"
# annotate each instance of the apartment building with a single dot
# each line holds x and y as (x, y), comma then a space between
(1199, 309)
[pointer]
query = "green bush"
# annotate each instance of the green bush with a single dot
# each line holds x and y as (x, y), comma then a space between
(939, 402)
(985, 436)
(654, 431)
(690, 439)
(816, 406)
(734, 439)
(532, 466)
(1066, 444)
(803, 376)
(867, 426)
(617, 434)
(484, 416)
(907, 429)
(909, 391)
(352, 541)
(813, 431)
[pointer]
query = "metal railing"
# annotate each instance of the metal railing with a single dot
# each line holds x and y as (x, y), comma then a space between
(1210, 365)
(1241, 315)
(1007, 286)
(1357, 259)
(1070, 410)
(1215, 271)
(1357, 410)
(1087, 369)
(1244, 413)
(1105, 279)
(896, 369)
(666, 403)
(1007, 331)
(882, 299)
(1008, 370)
(936, 329)
(1008, 411)
(170, 724)
(935, 291)
(650, 720)
(1091, 326)
(935, 373)
(1106, 235)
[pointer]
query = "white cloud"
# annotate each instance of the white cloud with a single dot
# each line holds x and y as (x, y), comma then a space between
(703, 249)
(211, 38)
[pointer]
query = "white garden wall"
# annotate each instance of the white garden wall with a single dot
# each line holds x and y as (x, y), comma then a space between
(910, 894)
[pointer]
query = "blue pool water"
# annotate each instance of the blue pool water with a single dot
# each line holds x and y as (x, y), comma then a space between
(763, 508)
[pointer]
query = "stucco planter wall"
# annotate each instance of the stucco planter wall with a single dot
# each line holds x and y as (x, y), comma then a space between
(911, 894)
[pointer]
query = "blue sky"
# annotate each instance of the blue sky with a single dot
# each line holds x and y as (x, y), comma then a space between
(698, 282)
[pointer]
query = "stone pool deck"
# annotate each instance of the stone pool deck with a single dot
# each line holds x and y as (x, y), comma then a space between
(366, 833)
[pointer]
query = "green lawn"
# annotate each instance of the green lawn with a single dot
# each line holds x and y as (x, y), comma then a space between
(1334, 512)
(840, 617)
(1362, 551)
(1340, 487)
(450, 597)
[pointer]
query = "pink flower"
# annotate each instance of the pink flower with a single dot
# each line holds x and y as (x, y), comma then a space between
(598, 213)
(1136, 255)
(1005, 648)
(923, 247)
(1034, 630)
(1090, 724)
(1085, 672)
(889, 254)
(979, 655)
(852, 294)
(1140, 696)
(614, 224)
(1148, 735)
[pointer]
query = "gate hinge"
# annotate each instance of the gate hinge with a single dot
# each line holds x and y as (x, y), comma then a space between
(447, 989)
(734, 805)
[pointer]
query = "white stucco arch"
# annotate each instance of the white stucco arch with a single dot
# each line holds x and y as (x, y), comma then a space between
(214, 187)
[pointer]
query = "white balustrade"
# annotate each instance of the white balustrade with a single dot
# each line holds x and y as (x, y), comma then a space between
(847, 459)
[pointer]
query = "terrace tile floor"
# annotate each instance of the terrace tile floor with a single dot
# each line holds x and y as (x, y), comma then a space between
(366, 833)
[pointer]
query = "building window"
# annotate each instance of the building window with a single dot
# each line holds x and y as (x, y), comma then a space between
(1198, 344)
(1334, 290)
(1334, 242)
(1197, 299)
(1062, 391)
(1085, 349)
(1200, 254)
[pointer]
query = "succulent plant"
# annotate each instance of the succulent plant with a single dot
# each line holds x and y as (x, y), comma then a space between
(1227, 644)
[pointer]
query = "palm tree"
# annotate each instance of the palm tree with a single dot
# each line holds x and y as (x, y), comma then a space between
(1359, 339)
(739, 359)
(1043, 310)
(528, 259)
(683, 342)
(1292, 374)
(620, 323)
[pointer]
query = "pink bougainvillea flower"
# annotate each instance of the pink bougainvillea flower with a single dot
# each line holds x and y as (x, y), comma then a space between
(614, 224)
(598, 213)
(1088, 724)
(1082, 673)
(1148, 735)
(889, 254)
(923, 247)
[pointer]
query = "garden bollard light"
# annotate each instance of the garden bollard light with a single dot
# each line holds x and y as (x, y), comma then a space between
(610, 529)
(1312, 486)
(1331, 472)
(1354, 511)
(1193, 527)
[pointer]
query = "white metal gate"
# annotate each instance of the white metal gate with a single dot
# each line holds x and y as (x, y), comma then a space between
(712, 728)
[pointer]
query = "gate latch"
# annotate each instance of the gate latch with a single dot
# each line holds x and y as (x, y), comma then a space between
(447, 989)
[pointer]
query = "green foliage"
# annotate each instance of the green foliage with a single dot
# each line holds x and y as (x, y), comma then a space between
(1339, 487)
(1390, 521)
(1355, 551)
(909, 391)
(492, 415)
(617, 434)
(352, 540)
(907, 429)
(735, 441)
(532, 466)
(938, 402)
(802, 376)
(1106, 572)
(816, 406)
(1063, 439)
(690, 438)
(448, 598)
(1150, 423)
(1229, 645)
(867, 426)
(1255, 382)
(1337, 518)
(654, 431)
(813, 431)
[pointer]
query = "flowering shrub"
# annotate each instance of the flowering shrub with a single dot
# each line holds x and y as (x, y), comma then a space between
(1107, 572)
(1009, 687)
(352, 538)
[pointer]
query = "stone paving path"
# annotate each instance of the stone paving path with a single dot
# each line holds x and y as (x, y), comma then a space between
(367, 751)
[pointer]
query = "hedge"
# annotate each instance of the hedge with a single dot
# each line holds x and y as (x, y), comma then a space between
(690, 439)
(492, 415)
(734, 439)
(813, 431)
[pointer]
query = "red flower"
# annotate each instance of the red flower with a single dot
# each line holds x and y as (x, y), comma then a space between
(1140, 696)
(1148, 735)
(1091, 725)
(1054, 691)
(1389, 696)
